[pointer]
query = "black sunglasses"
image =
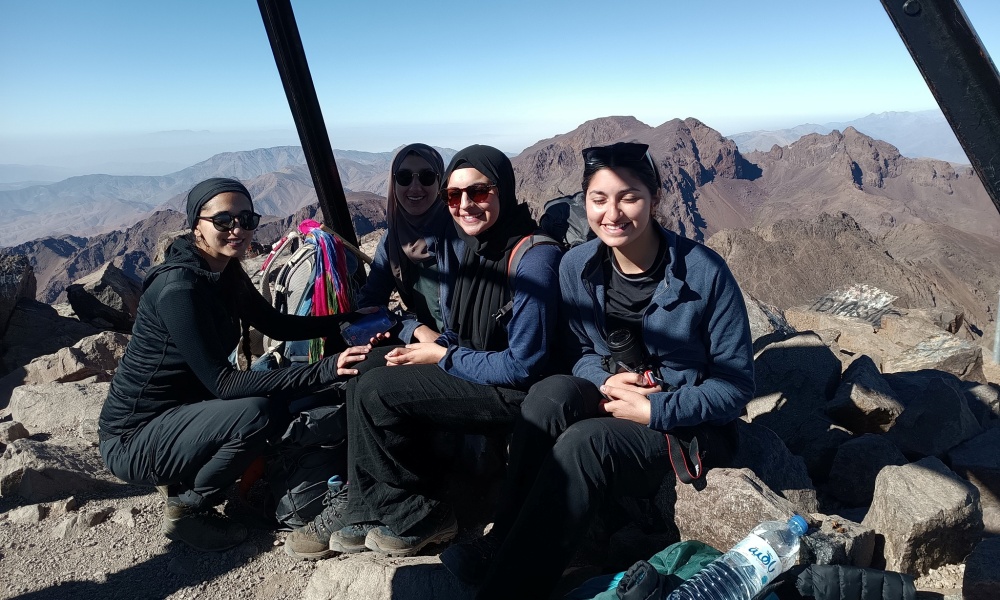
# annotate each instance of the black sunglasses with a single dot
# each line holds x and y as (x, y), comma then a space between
(478, 193)
(224, 221)
(621, 153)
(404, 177)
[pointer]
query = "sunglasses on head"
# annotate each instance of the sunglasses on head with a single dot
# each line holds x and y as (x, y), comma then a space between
(404, 177)
(478, 193)
(224, 221)
(623, 153)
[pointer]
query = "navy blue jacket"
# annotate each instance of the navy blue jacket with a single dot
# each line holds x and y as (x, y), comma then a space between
(695, 330)
(530, 328)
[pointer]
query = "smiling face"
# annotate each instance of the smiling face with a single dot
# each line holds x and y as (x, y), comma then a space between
(473, 217)
(415, 198)
(620, 208)
(218, 247)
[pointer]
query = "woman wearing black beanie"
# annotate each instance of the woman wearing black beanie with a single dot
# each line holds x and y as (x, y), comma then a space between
(178, 414)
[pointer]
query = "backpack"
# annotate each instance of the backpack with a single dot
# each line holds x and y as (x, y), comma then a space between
(297, 467)
(313, 280)
(564, 219)
(523, 245)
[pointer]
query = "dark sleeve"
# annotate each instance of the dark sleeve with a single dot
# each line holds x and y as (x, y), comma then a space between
(380, 284)
(280, 326)
(842, 582)
(182, 308)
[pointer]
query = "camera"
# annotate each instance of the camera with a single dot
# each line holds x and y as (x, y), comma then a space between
(629, 354)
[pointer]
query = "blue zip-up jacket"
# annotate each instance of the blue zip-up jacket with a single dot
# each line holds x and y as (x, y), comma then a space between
(531, 325)
(695, 330)
(380, 285)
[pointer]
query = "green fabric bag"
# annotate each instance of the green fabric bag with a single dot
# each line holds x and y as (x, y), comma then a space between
(682, 559)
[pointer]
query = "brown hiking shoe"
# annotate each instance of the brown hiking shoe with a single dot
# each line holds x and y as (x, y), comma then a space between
(439, 527)
(202, 529)
(312, 542)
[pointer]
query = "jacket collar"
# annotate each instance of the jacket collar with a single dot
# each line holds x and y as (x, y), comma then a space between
(667, 293)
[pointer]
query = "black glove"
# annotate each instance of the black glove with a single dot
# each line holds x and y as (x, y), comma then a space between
(643, 582)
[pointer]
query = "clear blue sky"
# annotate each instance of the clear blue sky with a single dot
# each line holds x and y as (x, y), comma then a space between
(449, 74)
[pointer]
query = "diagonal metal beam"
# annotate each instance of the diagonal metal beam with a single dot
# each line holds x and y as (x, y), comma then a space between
(961, 76)
(286, 44)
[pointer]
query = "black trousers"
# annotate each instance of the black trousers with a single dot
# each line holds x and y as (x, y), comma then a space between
(202, 447)
(564, 465)
(392, 412)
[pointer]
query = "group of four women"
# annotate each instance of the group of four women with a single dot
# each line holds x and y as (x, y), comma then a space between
(494, 348)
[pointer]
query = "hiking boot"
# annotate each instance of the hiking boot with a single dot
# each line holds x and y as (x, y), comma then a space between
(470, 561)
(203, 529)
(312, 542)
(435, 529)
(351, 539)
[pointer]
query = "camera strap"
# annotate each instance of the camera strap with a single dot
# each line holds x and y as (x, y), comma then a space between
(685, 458)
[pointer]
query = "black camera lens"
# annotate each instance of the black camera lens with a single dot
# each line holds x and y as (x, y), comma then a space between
(626, 350)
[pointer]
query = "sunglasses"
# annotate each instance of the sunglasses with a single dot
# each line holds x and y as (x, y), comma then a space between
(623, 153)
(478, 193)
(224, 221)
(404, 177)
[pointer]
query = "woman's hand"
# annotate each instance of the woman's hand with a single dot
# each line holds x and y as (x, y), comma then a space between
(634, 382)
(422, 353)
(627, 404)
(425, 334)
(352, 355)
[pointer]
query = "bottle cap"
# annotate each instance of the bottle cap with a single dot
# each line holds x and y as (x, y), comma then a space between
(798, 525)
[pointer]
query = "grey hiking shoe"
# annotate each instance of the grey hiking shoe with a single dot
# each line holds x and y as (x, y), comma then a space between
(470, 561)
(351, 539)
(435, 529)
(203, 529)
(312, 542)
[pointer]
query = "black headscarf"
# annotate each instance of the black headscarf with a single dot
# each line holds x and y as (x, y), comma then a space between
(208, 189)
(481, 286)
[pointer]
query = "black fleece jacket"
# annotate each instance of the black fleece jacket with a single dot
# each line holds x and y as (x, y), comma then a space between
(186, 327)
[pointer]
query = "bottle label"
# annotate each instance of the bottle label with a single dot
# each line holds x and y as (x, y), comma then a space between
(761, 557)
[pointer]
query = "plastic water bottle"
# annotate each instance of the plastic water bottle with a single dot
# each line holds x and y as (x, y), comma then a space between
(769, 550)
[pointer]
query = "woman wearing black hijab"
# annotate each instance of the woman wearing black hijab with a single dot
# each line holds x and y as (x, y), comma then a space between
(178, 414)
(470, 380)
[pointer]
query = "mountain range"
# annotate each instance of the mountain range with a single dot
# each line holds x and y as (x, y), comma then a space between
(794, 222)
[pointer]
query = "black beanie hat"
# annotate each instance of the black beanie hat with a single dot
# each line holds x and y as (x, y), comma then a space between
(208, 189)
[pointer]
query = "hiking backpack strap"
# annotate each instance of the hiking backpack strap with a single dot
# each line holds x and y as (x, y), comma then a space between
(520, 249)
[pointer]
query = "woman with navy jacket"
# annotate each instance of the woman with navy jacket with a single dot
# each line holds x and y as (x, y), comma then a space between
(471, 379)
(687, 370)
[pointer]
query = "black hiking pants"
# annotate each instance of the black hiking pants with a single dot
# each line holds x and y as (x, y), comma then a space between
(564, 465)
(392, 414)
(201, 448)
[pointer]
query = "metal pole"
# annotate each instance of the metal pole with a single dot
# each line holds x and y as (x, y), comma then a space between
(286, 45)
(961, 76)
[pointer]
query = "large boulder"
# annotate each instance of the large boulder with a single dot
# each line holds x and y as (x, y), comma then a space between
(107, 298)
(739, 501)
(982, 577)
(761, 451)
(63, 409)
(22, 342)
(365, 576)
(864, 402)
(896, 339)
(936, 418)
(96, 355)
(39, 471)
(926, 517)
(795, 379)
(856, 467)
(17, 281)
(838, 541)
(984, 402)
(978, 460)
